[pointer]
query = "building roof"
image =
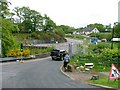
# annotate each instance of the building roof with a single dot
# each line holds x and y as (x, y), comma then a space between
(88, 29)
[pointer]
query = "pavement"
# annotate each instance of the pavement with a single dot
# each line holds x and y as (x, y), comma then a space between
(12, 59)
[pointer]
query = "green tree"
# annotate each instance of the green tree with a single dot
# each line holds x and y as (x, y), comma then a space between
(18, 13)
(8, 40)
(48, 24)
(25, 26)
(78, 29)
(28, 19)
(4, 10)
(36, 20)
(67, 29)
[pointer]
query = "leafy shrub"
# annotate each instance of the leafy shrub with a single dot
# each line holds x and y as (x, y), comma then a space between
(26, 52)
(40, 50)
(109, 56)
(99, 47)
(8, 40)
(44, 36)
(16, 53)
(35, 35)
(57, 35)
(108, 36)
(60, 33)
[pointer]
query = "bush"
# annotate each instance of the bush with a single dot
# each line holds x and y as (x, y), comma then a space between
(34, 35)
(16, 53)
(8, 40)
(109, 56)
(40, 50)
(99, 47)
(57, 35)
(60, 33)
(26, 52)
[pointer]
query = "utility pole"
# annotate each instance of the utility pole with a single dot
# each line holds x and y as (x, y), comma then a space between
(112, 37)
(113, 30)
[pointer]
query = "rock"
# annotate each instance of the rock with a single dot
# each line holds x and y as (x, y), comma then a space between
(70, 68)
(77, 68)
(87, 69)
(95, 77)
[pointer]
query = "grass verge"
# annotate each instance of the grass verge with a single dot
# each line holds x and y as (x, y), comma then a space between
(105, 82)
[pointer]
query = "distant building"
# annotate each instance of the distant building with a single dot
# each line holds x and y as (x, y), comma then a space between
(119, 11)
(89, 30)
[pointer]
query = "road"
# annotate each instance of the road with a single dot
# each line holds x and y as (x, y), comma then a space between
(40, 73)
(65, 46)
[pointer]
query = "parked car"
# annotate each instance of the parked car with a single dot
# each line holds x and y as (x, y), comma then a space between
(94, 40)
(57, 54)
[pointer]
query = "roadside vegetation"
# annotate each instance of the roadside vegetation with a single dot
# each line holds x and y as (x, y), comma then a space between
(27, 51)
(104, 81)
(101, 55)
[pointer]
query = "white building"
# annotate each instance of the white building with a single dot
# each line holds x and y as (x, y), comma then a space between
(89, 30)
(119, 11)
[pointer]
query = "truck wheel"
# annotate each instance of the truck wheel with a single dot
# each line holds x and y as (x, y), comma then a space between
(53, 58)
(61, 58)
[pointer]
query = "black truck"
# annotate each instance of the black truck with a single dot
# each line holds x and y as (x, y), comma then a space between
(57, 54)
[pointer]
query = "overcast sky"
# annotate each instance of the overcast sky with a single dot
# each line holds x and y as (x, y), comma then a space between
(75, 13)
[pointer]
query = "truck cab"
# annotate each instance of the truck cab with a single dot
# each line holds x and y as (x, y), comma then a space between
(57, 54)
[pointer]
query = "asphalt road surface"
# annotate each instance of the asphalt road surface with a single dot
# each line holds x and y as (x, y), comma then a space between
(39, 73)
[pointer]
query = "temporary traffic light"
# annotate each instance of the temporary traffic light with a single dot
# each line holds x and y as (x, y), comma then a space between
(21, 47)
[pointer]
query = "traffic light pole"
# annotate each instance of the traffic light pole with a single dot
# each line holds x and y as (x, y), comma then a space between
(21, 51)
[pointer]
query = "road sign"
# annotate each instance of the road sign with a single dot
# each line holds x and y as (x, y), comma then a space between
(114, 73)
